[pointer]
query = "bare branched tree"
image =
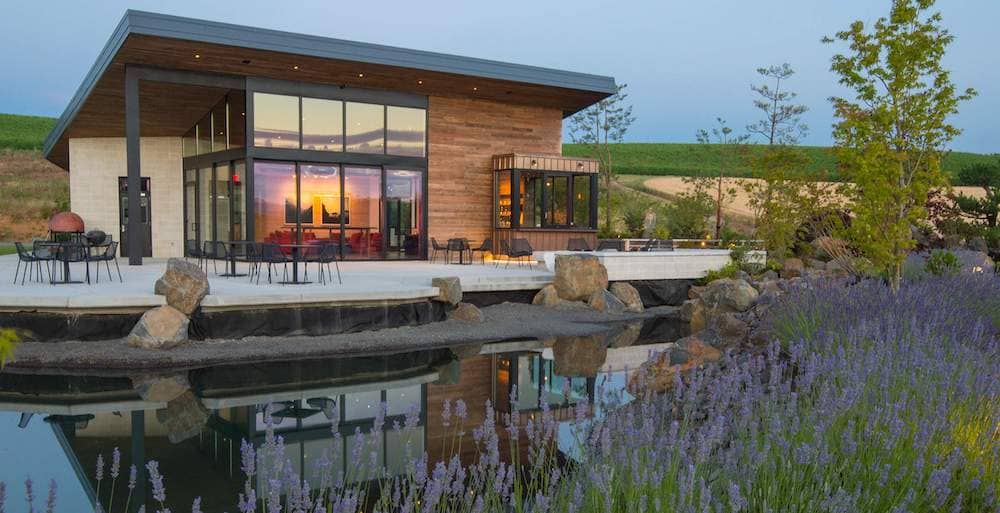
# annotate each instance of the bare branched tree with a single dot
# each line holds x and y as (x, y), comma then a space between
(782, 119)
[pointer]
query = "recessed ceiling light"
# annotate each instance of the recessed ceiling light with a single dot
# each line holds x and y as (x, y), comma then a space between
(475, 88)
(420, 82)
(295, 67)
(361, 75)
(197, 56)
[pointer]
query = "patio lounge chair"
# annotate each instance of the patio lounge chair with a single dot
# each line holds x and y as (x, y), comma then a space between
(520, 249)
(578, 244)
(107, 256)
(486, 246)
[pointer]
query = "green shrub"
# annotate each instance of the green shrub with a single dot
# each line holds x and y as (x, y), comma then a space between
(943, 263)
(634, 216)
(728, 271)
(8, 341)
(685, 216)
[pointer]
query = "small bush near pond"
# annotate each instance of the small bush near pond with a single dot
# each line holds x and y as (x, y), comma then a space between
(867, 401)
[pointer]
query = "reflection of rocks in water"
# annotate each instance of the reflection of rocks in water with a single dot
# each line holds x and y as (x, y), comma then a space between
(658, 374)
(624, 335)
(160, 387)
(449, 373)
(183, 417)
(580, 356)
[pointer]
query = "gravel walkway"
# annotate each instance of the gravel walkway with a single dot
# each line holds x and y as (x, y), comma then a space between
(503, 322)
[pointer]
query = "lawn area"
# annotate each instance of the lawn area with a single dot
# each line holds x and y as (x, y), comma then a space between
(24, 132)
(698, 159)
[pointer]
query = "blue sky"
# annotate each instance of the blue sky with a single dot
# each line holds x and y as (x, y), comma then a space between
(685, 62)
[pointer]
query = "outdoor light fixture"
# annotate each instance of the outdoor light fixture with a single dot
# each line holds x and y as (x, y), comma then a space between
(197, 56)
(534, 163)
(361, 75)
(295, 67)
(475, 88)
(420, 82)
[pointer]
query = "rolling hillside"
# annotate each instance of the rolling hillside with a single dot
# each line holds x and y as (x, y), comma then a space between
(680, 159)
(31, 188)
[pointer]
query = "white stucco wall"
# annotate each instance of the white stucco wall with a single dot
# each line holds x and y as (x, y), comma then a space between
(94, 167)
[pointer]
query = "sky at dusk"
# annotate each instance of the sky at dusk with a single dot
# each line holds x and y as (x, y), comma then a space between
(686, 62)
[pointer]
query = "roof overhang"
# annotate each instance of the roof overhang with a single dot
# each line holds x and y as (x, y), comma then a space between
(171, 42)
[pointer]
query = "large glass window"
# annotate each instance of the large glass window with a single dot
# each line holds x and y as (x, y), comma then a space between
(363, 211)
(503, 200)
(558, 207)
(190, 208)
(406, 131)
(322, 124)
(222, 204)
(532, 208)
(204, 129)
(581, 201)
(365, 128)
(205, 203)
(238, 198)
(319, 196)
(237, 119)
(189, 143)
(220, 126)
(275, 208)
(403, 210)
(275, 120)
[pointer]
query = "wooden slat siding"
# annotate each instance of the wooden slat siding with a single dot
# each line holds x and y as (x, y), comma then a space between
(548, 240)
(475, 387)
(463, 135)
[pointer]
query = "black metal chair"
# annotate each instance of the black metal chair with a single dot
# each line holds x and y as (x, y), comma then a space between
(46, 251)
(437, 247)
(74, 252)
(326, 254)
(107, 256)
(251, 255)
(577, 244)
(193, 251)
(31, 263)
(649, 245)
(272, 255)
(520, 249)
(486, 246)
(610, 245)
(217, 250)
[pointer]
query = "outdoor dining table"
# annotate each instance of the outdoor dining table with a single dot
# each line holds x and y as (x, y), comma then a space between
(233, 244)
(298, 253)
(462, 246)
(60, 252)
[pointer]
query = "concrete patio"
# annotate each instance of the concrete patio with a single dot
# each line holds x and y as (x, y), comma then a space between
(363, 282)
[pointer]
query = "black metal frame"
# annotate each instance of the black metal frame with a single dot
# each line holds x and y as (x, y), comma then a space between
(515, 201)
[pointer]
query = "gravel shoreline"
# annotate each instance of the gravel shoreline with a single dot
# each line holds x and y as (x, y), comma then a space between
(503, 322)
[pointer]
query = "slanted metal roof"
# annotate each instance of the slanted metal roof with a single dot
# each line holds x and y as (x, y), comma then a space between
(210, 32)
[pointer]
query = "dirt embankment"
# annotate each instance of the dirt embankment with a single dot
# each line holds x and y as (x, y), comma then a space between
(31, 190)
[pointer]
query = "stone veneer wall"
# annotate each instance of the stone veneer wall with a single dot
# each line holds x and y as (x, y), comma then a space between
(463, 135)
(95, 165)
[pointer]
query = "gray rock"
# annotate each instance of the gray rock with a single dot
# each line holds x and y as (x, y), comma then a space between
(547, 296)
(466, 312)
(729, 295)
(579, 356)
(729, 327)
(184, 417)
(160, 328)
(815, 263)
(160, 387)
(628, 295)
(742, 275)
(978, 244)
(694, 312)
(578, 276)
(769, 275)
(625, 336)
(449, 290)
(604, 301)
(696, 291)
(792, 268)
(184, 285)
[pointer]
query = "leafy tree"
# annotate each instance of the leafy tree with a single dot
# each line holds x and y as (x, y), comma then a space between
(730, 148)
(891, 136)
(684, 217)
(782, 119)
(983, 210)
(599, 127)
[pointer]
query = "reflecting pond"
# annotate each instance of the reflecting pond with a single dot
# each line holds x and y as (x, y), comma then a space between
(193, 421)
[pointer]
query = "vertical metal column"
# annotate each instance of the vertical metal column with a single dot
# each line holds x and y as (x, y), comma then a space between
(139, 459)
(134, 227)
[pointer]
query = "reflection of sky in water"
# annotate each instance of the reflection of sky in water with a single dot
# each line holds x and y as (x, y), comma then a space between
(571, 435)
(34, 451)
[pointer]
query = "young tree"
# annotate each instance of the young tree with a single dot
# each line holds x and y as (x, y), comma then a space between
(891, 136)
(782, 119)
(729, 149)
(599, 127)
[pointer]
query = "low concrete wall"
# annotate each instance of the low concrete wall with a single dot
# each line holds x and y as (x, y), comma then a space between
(680, 264)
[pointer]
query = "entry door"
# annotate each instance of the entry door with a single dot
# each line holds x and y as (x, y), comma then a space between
(143, 211)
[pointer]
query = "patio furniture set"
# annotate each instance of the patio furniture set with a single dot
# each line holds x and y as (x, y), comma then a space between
(259, 255)
(518, 250)
(57, 255)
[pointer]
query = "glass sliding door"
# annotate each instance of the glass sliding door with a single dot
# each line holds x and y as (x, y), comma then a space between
(190, 211)
(404, 213)
(275, 197)
(237, 197)
(321, 205)
(222, 202)
(205, 208)
(363, 212)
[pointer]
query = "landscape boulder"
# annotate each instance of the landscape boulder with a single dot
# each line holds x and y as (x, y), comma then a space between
(730, 330)
(658, 374)
(547, 296)
(160, 387)
(449, 290)
(604, 301)
(578, 276)
(734, 295)
(579, 356)
(625, 336)
(163, 327)
(466, 312)
(183, 284)
(792, 268)
(693, 312)
(627, 294)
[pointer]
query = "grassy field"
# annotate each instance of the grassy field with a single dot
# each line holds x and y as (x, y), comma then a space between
(23, 132)
(677, 159)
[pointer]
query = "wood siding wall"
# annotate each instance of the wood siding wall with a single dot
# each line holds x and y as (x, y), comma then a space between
(546, 240)
(463, 135)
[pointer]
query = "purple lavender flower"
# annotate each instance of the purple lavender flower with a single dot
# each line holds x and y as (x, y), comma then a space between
(116, 461)
(132, 473)
(3, 495)
(29, 495)
(50, 502)
(99, 473)
(156, 480)
(460, 410)
(196, 505)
